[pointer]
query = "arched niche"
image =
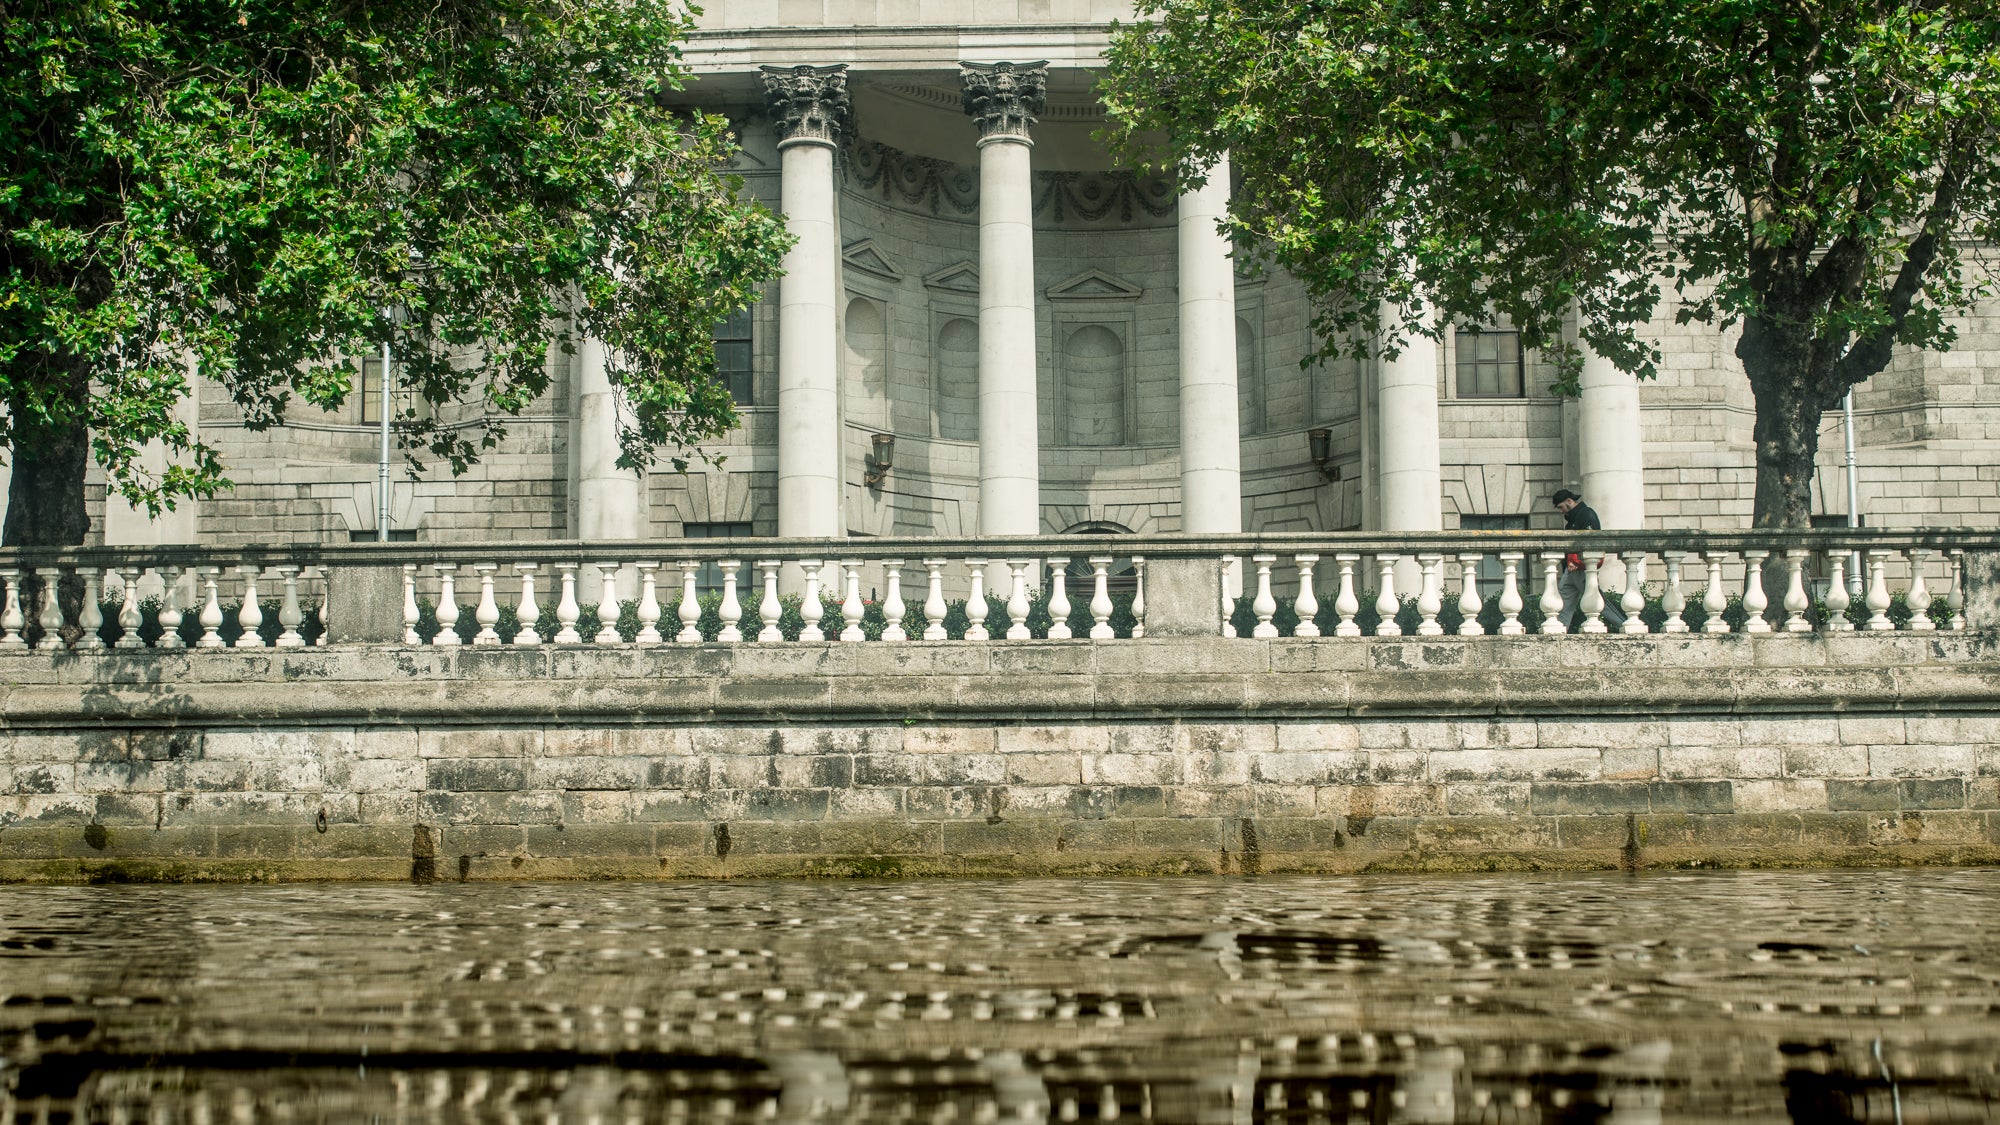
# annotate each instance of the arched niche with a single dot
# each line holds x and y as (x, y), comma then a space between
(1093, 392)
(866, 362)
(1249, 381)
(955, 406)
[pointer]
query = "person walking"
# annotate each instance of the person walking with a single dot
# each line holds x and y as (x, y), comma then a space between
(1578, 516)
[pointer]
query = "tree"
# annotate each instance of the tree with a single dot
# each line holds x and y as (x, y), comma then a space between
(260, 190)
(1814, 171)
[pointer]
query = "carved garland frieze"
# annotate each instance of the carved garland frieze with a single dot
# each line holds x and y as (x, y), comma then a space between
(943, 188)
(809, 103)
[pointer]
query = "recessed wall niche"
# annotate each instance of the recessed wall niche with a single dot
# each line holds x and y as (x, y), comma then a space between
(1092, 402)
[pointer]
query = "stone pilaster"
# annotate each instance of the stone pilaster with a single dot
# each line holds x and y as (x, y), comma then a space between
(812, 111)
(1211, 446)
(1003, 99)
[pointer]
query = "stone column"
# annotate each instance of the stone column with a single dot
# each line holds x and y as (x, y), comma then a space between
(811, 109)
(1211, 447)
(1609, 444)
(1003, 98)
(607, 497)
(1407, 409)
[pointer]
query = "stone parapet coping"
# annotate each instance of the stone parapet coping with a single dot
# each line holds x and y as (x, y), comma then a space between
(1186, 678)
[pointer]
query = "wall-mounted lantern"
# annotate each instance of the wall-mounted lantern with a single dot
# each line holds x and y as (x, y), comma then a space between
(880, 460)
(1320, 444)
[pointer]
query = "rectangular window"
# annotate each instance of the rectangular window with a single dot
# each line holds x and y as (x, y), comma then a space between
(371, 393)
(396, 535)
(732, 356)
(1489, 567)
(709, 578)
(1489, 363)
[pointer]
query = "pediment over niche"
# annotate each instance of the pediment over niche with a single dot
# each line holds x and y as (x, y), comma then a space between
(962, 277)
(1094, 285)
(869, 259)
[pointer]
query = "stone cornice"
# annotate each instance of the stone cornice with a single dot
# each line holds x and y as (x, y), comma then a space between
(1003, 98)
(809, 103)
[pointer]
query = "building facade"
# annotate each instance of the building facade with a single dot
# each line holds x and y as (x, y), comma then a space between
(987, 328)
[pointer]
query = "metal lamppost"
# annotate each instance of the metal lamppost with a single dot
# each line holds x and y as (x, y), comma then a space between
(391, 316)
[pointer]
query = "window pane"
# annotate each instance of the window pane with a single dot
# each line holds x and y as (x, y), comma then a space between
(733, 356)
(1489, 363)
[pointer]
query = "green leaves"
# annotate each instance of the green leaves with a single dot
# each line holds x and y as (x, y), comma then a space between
(1809, 170)
(246, 186)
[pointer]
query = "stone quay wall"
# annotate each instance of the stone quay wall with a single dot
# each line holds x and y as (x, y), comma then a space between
(1154, 756)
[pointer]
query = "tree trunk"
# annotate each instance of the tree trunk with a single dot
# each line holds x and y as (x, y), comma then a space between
(1779, 366)
(45, 497)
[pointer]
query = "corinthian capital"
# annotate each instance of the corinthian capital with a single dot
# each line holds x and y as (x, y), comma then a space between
(809, 103)
(1005, 97)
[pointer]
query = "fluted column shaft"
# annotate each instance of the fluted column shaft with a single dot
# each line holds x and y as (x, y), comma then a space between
(811, 108)
(1211, 446)
(1406, 394)
(1003, 99)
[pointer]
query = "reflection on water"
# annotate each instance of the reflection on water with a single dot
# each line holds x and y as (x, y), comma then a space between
(1847, 996)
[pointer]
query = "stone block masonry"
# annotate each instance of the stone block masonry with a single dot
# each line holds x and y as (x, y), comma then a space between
(1185, 754)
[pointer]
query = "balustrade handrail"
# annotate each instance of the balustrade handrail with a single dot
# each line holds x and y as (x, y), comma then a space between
(1152, 546)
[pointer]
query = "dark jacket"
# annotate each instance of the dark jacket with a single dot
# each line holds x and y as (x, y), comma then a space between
(1580, 517)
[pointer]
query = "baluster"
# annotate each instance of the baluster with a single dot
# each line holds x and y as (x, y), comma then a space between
(811, 609)
(529, 612)
(851, 608)
(607, 604)
(567, 611)
(1264, 605)
(1551, 602)
(975, 603)
(1955, 598)
(1138, 596)
(1591, 603)
(250, 615)
(934, 604)
(1510, 594)
(1345, 603)
(892, 601)
(91, 617)
(649, 605)
(1387, 605)
(770, 610)
(1796, 601)
(1919, 597)
(731, 610)
(1227, 603)
(447, 606)
(1673, 601)
(11, 621)
(1017, 601)
(1100, 599)
(1754, 600)
(1634, 601)
(690, 607)
(170, 609)
(1470, 603)
(1059, 606)
(1306, 605)
(1713, 600)
(1837, 597)
(129, 617)
(211, 610)
(1430, 595)
(411, 614)
(487, 612)
(1878, 590)
(289, 614)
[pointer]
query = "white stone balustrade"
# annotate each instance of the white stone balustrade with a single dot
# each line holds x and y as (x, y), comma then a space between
(1471, 584)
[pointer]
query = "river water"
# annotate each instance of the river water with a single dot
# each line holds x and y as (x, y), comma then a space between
(1770, 996)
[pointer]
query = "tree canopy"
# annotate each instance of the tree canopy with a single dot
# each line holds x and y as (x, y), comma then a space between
(259, 190)
(1813, 171)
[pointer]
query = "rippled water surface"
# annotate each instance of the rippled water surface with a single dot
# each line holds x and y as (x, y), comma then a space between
(1847, 996)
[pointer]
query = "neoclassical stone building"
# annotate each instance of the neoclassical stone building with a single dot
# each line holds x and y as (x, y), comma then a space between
(986, 328)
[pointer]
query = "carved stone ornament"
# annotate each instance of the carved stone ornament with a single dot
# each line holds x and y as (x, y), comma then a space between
(1005, 97)
(809, 103)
